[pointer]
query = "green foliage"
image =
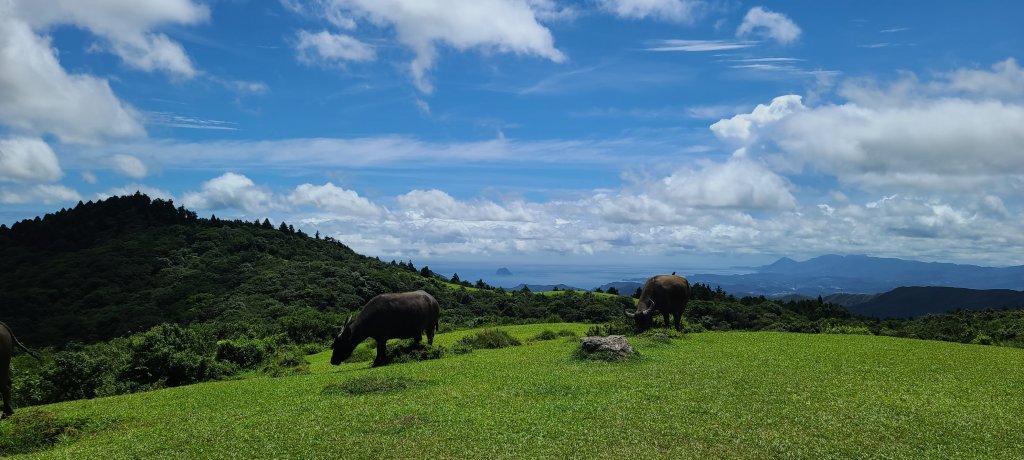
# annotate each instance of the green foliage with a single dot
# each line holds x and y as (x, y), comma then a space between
(407, 352)
(846, 329)
(490, 338)
(247, 353)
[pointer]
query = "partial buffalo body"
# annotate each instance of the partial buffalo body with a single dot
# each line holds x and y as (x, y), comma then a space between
(7, 343)
(405, 315)
(665, 294)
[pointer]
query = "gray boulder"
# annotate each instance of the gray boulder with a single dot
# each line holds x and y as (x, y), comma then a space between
(612, 345)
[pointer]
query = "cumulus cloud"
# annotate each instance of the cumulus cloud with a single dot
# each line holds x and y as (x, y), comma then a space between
(737, 183)
(27, 159)
(684, 11)
(505, 26)
(946, 134)
(743, 127)
(125, 27)
(338, 201)
(38, 193)
(762, 22)
(1006, 80)
(129, 166)
(231, 191)
(436, 204)
(324, 46)
(37, 96)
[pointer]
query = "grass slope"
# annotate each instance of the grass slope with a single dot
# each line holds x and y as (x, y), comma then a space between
(712, 395)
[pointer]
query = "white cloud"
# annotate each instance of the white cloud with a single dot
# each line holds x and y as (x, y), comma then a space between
(698, 45)
(129, 166)
(762, 22)
(38, 193)
(737, 183)
(231, 191)
(436, 204)
(28, 159)
(948, 134)
(684, 11)
(37, 96)
(505, 26)
(329, 197)
(324, 46)
(1006, 80)
(89, 177)
(125, 27)
(744, 126)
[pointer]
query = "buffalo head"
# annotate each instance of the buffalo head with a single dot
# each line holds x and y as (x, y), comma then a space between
(344, 343)
(643, 316)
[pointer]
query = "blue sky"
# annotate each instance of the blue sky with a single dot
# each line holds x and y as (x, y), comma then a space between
(606, 132)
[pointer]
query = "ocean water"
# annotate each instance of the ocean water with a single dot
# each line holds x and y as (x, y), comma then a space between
(583, 276)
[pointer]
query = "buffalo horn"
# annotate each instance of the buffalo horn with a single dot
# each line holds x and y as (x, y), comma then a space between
(628, 313)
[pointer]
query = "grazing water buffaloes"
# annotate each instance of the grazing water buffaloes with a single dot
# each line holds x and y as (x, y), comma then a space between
(667, 294)
(7, 343)
(405, 315)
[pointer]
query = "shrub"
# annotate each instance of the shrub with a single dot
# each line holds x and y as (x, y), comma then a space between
(288, 359)
(364, 352)
(410, 352)
(982, 339)
(546, 334)
(246, 353)
(490, 338)
(846, 329)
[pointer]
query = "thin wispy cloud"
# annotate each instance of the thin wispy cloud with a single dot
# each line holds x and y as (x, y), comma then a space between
(697, 46)
(894, 30)
(180, 121)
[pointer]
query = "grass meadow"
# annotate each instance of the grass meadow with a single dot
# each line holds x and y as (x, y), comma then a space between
(707, 395)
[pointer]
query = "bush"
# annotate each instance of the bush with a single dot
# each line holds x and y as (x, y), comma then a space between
(288, 359)
(846, 329)
(490, 338)
(982, 339)
(246, 353)
(410, 352)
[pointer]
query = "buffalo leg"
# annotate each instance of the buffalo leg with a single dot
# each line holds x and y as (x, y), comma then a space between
(665, 316)
(430, 334)
(677, 318)
(382, 353)
(5, 390)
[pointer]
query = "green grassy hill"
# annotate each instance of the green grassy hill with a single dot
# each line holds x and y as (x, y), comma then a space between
(709, 395)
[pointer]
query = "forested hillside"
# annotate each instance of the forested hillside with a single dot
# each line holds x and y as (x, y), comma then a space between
(106, 269)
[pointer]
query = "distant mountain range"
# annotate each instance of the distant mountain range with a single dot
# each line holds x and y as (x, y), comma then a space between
(915, 301)
(874, 286)
(857, 274)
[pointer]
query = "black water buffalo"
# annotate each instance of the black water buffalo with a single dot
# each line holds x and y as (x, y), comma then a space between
(667, 294)
(7, 343)
(405, 315)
